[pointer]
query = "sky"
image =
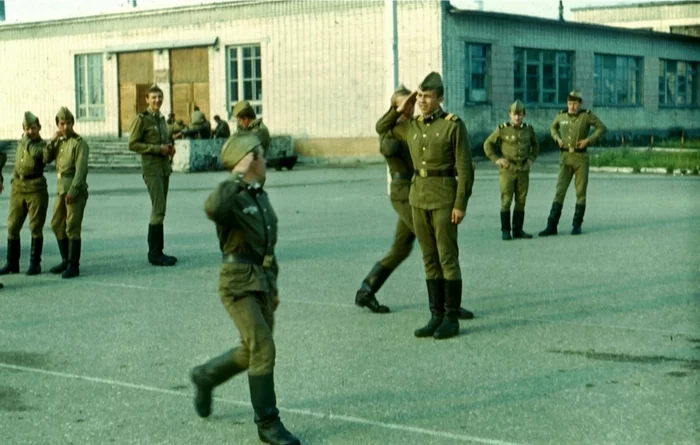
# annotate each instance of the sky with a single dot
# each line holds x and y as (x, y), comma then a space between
(18, 11)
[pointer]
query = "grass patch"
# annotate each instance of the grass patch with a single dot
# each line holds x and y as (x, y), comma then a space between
(677, 143)
(688, 161)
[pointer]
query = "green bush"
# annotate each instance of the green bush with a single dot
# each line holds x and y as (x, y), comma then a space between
(690, 161)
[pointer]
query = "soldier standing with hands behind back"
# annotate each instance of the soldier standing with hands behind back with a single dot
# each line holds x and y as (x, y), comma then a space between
(519, 147)
(439, 148)
(29, 196)
(71, 154)
(151, 138)
(570, 131)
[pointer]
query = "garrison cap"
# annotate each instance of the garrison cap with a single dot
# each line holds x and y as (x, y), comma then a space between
(432, 82)
(575, 95)
(29, 119)
(154, 89)
(64, 114)
(517, 107)
(241, 106)
(237, 147)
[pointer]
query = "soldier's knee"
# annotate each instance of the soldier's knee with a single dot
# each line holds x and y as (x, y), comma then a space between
(157, 219)
(262, 356)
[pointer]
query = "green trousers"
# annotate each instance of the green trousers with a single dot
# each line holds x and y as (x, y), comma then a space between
(253, 315)
(513, 182)
(158, 191)
(67, 220)
(437, 237)
(572, 165)
(403, 237)
(34, 204)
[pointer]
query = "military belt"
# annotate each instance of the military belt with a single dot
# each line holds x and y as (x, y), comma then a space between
(566, 150)
(513, 161)
(425, 172)
(407, 175)
(29, 176)
(265, 261)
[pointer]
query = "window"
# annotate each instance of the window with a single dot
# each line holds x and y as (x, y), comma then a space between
(543, 77)
(678, 83)
(244, 76)
(89, 90)
(617, 80)
(476, 78)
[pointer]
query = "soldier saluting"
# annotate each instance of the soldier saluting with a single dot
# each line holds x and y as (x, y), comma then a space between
(29, 196)
(247, 229)
(570, 131)
(519, 147)
(71, 153)
(441, 187)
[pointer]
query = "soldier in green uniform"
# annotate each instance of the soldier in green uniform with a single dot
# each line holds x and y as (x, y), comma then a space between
(29, 196)
(71, 154)
(398, 159)
(570, 130)
(151, 139)
(222, 129)
(247, 229)
(519, 147)
(248, 122)
(441, 187)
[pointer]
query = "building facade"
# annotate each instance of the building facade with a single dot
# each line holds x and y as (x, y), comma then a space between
(676, 17)
(322, 72)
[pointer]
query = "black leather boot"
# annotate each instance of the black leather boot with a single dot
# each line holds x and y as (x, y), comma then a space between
(505, 225)
(553, 220)
(73, 269)
(365, 297)
(270, 427)
(436, 298)
(579, 210)
(453, 299)
(155, 247)
(13, 252)
(210, 375)
(518, 221)
(35, 256)
(63, 249)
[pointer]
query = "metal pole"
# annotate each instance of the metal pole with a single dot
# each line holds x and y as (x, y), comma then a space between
(391, 30)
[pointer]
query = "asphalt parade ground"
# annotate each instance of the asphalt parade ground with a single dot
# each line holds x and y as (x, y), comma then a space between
(591, 339)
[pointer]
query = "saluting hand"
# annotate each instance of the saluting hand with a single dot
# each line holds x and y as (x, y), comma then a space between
(407, 103)
(503, 163)
(457, 216)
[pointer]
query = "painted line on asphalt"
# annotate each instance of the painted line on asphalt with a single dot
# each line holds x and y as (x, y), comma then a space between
(301, 412)
(347, 305)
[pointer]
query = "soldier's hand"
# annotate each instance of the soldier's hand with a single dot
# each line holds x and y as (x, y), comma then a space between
(583, 144)
(165, 149)
(560, 143)
(457, 216)
(503, 163)
(529, 164)
(69, 199)
(409, 102)
(275, 302)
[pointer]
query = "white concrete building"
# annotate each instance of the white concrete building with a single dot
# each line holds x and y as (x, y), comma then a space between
(326, 68)
(677, 17)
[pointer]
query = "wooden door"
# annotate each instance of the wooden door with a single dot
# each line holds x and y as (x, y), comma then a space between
(189, 77)
(135, 78)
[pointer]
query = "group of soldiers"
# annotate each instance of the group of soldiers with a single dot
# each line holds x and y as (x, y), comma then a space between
(432, 175)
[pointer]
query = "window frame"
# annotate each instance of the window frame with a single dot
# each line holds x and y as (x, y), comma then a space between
(469, 72)
(599, 96)
(84, 84)
(521, 59)
(692, 91)
(255, 78)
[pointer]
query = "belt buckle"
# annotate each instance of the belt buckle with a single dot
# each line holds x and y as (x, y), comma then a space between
(423, 173)
(59, 175)
(21, 177)
(572, 149)
(267, 260)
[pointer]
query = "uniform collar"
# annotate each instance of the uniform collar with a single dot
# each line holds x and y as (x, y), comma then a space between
(432, 116)
(253, 189)
(153, 113)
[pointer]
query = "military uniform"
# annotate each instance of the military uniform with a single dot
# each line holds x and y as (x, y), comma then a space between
(29, 196)
(256, 126)
(148, 132)
(246, 226)
(222, 129)
(439, 148)
(518, 146)
(71, 154)
(570, 129)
